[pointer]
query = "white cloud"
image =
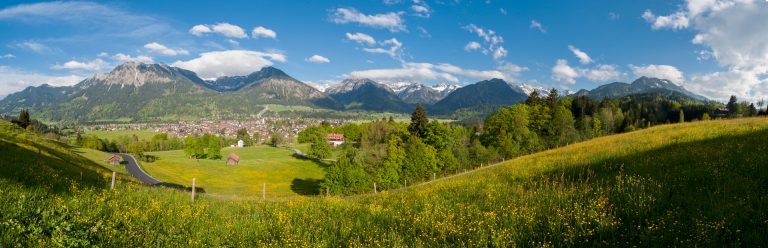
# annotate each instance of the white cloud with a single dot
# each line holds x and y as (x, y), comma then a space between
(33, 46)
(93, 65)
(512, 68)
(8, 56)
(200, 30)
(476, 74)
(503, 11)
(426, 71)
(225, 29)
(229, 63)
(229, 30)
(537, 25)
(102, 54)
(141, 58)
(499, 53)
(421, 10)
(471, 46)
(390, 47)
(390, 21)
(602, 73)
(746, 85)
(733, 33)
(164, 50)
(668, 72)
(491, 40)
(361, 38)
(317, 59)
(13, 80)
(678, 20)
(488, 35)
(263, 32)
(583, 57)
(564, 72)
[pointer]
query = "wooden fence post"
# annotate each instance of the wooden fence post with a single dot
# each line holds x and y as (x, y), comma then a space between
(264, 191)
(374, 188)
(406, 183)
(114, 174)
(433, 176)
(193, 188)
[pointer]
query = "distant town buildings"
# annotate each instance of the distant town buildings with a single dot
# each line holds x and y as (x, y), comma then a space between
(259, 129)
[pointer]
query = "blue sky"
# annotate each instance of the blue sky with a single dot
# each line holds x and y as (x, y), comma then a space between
(714, 48)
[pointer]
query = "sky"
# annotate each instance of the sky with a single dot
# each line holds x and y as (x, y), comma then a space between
(715, 48)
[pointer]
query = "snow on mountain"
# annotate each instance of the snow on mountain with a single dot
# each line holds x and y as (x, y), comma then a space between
(528, 88)
(445, 88)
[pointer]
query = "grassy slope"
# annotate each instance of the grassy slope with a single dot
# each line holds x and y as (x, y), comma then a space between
(100, 158)
(695, 184)
(284, 175)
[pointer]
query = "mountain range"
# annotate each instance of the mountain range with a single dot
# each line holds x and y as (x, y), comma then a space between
(144, 92)
(639, 86)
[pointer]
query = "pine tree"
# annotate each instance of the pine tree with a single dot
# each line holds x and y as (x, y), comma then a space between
(24, 119)
(419, 122)
(733, 106)
(552, 98)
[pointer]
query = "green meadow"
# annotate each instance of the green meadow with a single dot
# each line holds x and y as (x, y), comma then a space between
(283, 174)
(114, 135)
(688, 185)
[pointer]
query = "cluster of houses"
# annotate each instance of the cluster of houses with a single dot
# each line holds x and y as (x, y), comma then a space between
(262, 127)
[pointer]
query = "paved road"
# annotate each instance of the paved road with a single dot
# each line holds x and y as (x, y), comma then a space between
(137, 172)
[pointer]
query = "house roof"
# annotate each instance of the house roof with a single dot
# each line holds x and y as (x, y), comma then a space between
(115, 157)
(335, 136)
(234, 157)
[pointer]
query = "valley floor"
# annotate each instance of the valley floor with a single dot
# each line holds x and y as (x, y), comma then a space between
(692, 184)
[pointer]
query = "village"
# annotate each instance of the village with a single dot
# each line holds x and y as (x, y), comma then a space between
(260, 128)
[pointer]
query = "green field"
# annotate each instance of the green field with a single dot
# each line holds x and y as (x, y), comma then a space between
(100, 158)
(284, 175)
(276, 108)
(113, 135)
(688, 185)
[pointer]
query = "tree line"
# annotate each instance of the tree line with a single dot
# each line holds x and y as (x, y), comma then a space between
(391, 154)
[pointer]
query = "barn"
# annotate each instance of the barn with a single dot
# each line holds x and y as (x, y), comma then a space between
(233, 159)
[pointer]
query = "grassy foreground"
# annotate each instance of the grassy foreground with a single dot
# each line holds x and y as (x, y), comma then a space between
(284, 175)
(693, 184)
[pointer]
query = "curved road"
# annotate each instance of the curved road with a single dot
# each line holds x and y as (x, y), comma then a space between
(133, 167)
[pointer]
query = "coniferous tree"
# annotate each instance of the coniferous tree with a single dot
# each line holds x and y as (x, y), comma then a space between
(24, 119)
(733, 106)
(419, 122)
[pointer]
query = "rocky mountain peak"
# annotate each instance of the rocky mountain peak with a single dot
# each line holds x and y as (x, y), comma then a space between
(138, 74)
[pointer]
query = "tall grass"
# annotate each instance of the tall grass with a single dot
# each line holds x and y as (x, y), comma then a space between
(693, 184)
